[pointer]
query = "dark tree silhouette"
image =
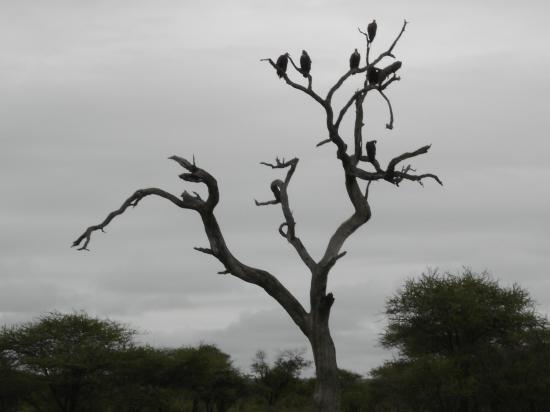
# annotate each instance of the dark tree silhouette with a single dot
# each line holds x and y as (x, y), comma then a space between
(463, 343)
(315, 322)
(71, 355)
(273, 382)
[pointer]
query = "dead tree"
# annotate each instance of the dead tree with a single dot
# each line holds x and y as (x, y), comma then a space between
(315, 322)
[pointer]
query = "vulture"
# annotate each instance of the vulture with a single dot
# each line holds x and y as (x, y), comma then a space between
(373, 75)
(386, 71)
(371, 150)
(305, 63)
(281, 64)
(392, 68)
(371, 30)
(354, 60)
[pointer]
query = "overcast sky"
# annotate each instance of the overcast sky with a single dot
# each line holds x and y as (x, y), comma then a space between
(95, 95)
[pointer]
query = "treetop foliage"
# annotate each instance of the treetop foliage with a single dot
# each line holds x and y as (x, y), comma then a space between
(451, 313)
(465, 344)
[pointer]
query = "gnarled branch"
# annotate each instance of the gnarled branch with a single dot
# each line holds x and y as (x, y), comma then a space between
(390, 174)
(198, 175)
(280, 190)
(390, 124)
(218, 247)
(187, 203)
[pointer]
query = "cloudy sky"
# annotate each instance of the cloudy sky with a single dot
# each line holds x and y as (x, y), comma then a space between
(95, 95)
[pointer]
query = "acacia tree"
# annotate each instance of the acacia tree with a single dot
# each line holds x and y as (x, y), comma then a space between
(315, 322)
(69, 354)
(464, 343)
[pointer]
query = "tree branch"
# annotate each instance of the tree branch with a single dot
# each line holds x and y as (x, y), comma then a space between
(333, 260)
(341, 81)
(389, 52)
(396, 160)
(309, 78)
(390, 124)
(392, 79)
(218, 247)
(267, 203)
(418, 178)
(204, 250)
(323, 142)
(358, 94)
(392, 176)
(249, 274)
(197, 175)
(187, 203)
(358, 129)
(309, 91)
(280, 190)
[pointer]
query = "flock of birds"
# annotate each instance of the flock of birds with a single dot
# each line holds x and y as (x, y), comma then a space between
(374, 74)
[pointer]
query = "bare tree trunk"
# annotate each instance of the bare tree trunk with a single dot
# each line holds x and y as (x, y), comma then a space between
(327, 387)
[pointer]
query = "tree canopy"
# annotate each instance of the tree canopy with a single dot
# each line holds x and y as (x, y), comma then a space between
(465, 343)
(70, 354)
(281, 379)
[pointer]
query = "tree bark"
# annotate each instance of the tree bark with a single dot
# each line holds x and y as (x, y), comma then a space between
(327, 388)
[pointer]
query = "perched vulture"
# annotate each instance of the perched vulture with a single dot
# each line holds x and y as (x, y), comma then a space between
(371, 30)
(386, 71)
(281, 64)
(354, 60)
(371, 150)
(305, 63)
(373, 75)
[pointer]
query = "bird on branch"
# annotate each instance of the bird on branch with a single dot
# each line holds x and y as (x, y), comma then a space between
(282, 63)
(371, 30)
(392, 68)
(354, 60)
(371, 150)
(305, 63)
(373, 75)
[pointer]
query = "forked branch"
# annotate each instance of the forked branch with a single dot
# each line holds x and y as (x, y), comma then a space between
(379, 79)
(341, 81)
(389, 52)
(393, 176)
(359, 94)
(218, 247)
(308, 76)
(307, 90)
(198, 175)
